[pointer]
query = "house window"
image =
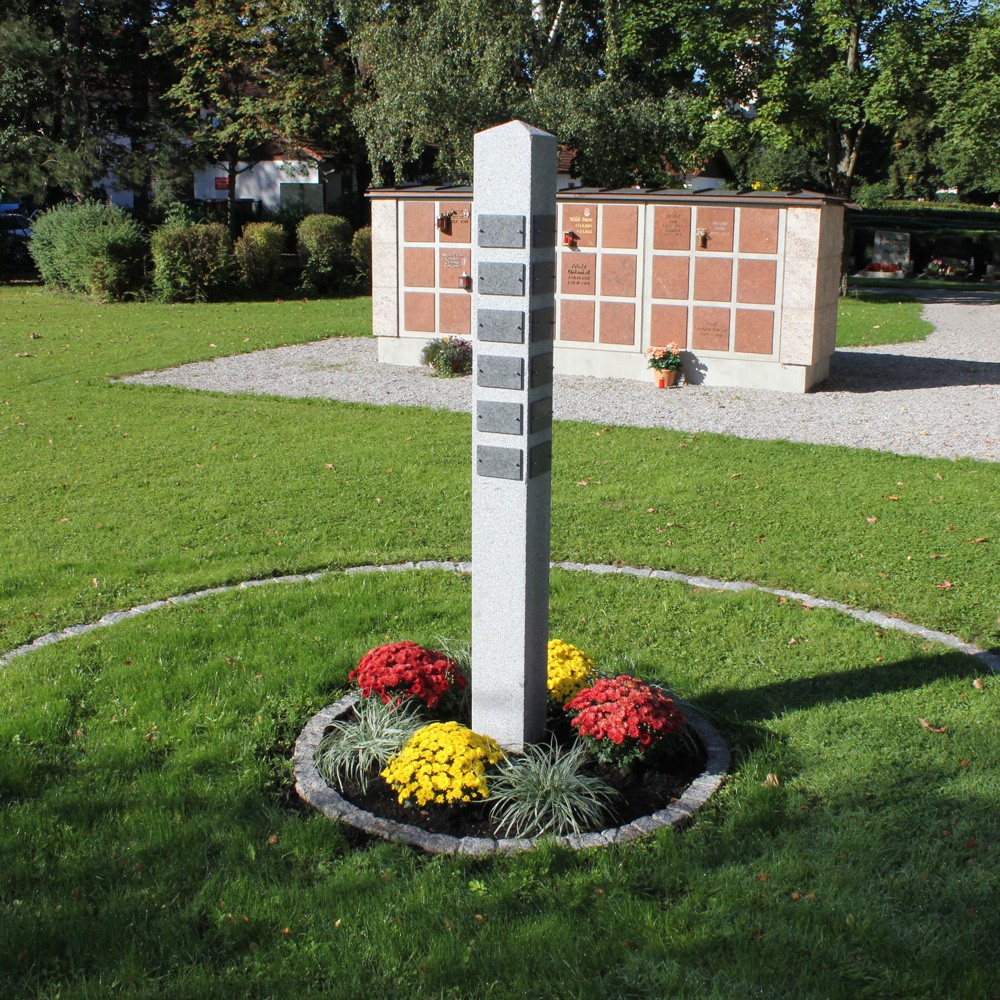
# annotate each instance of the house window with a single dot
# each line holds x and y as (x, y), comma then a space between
(221, 183)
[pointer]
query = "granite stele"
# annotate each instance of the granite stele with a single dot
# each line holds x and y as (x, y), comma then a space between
(513, 268)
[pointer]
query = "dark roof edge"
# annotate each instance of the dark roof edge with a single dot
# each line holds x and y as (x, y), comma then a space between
(813, 199)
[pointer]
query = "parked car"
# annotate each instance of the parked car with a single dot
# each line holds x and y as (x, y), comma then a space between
(15, 232)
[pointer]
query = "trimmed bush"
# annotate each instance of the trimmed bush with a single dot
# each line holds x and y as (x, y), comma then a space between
(258, 254)
(361, 255)
(192, 263)
(324, 248)
(90, 249)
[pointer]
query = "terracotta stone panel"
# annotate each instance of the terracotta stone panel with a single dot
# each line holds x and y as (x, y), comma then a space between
(668, 325)
(620, 226)
(576, 320)
(710, 329)
(618, 274)
(719, 223)
(451, 265)
(460, 229)
(418, 221)
(759, 230)
(418, 267)
(618, 323)
(418, 312)
(582, 220)
(754, 331)
(579, 273)
(456, 313)
(670, 277)
(713, 279)
(755, 281)
(671, 228)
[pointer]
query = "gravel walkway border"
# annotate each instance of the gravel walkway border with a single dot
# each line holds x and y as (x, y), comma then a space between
(937, 398)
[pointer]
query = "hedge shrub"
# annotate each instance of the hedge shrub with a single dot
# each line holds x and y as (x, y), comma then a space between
(90, 248)
(324, 247)
(258, 254)
(192, 263)
(361, 255)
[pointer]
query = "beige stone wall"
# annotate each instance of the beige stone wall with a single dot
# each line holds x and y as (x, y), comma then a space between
(745, 285)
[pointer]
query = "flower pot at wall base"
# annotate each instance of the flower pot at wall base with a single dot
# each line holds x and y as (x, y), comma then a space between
(666, 378)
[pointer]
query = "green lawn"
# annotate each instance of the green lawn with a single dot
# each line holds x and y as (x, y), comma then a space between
(150, 842)
(865, 319)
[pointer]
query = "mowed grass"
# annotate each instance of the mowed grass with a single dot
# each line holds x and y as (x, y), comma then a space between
(150, 840)
(867, 319)
(153, 844)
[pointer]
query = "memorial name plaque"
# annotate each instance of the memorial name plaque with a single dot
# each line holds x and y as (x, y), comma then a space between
(540, 459)
(540, 415)
(506, 231)
(543, 278)
(499, 463)
(493, 372)
(501, 279)
(503, 326)
(892, 248)
(543, 232)
(543, 325)
(541, 371)
(500, 418)
(581, 220)
(578, 272)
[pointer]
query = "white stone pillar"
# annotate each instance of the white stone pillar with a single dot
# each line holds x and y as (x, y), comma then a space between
(513, 261)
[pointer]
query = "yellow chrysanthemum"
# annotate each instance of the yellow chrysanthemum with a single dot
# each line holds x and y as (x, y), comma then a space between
(568, 672)
(441, 763)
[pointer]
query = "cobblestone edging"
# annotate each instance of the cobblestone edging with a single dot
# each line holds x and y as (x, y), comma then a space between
(991, 661)
(314, 790)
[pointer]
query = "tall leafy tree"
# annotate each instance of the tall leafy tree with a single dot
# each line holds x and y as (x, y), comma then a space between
(251, 72)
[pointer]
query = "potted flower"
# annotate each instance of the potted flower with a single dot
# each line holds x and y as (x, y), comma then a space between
(666, 364)
(448, 356)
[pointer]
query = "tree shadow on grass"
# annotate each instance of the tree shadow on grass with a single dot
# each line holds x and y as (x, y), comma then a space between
(769, 701)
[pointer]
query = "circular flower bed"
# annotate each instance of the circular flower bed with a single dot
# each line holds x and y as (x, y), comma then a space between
(621, 759)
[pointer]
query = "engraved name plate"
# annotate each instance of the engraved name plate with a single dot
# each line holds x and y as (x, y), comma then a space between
(501, 231)
(495, 372)
(499, 418)
(499, 463)
(502, 326)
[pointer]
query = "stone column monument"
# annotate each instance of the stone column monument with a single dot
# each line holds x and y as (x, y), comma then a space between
(513, 266)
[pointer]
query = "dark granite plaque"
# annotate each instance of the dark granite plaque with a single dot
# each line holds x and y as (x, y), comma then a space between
(540, 415)
(501, 279)
(543, 278)
(500, 418)
(501, 326)
(499, 463)
(501, 231)
(542, 325)
(540, 459)
(495, 372)
(543, 231)
(541, 370)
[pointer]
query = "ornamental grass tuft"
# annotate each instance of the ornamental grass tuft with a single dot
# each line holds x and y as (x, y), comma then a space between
(355, 747)
(546, 791)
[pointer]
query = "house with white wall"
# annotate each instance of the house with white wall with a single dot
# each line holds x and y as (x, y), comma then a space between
(285, 175)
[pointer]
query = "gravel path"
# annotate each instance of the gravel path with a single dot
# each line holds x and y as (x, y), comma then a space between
(938, 398)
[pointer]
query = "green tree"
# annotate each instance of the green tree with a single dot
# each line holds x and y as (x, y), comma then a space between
(252, 72)
(968, 108)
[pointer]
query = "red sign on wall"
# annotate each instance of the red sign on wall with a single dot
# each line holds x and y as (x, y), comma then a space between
(221, 183)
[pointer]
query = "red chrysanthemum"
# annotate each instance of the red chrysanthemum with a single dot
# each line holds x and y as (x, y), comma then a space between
(622, 717)
(401, 670)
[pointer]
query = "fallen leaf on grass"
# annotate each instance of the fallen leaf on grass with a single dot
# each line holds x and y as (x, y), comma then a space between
(891, 497)
(932, 729)
(772, 781)
(977, 684)
(976, 541)
(872, 520)
(947, 585)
